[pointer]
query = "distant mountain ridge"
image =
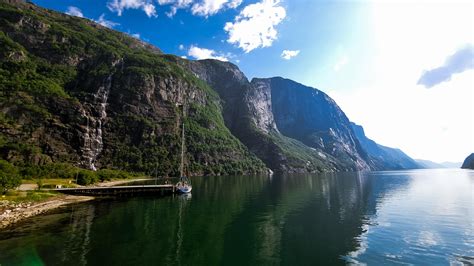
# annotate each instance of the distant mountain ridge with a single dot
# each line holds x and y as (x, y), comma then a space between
(75, 92)
(384, 157)
(434, 165)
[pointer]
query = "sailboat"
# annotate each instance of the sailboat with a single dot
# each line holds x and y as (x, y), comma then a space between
(184, 184)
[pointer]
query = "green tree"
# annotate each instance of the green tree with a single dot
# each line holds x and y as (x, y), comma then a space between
(9, 177)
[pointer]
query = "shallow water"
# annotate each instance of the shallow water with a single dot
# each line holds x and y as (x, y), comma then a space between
(402, 217)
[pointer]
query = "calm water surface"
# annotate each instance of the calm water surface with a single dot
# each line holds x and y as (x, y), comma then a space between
(404, 217)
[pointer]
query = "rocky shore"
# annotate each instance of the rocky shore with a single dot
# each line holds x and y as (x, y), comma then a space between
(12, 212)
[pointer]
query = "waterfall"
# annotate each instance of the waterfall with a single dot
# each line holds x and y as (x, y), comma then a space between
(95, 117)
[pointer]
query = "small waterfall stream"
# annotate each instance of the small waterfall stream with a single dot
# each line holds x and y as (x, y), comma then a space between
(95, 117)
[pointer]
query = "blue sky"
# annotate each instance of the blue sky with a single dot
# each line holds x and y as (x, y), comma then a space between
(402, 69)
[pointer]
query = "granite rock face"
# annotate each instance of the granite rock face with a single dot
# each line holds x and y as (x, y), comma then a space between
(312, 117)
(291, 127)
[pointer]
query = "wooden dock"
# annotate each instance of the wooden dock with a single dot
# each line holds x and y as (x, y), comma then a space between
(118, 191)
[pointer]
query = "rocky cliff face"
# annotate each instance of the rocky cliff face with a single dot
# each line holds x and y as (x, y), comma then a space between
(292, 128)
(312, 117)
(468, 162)
(383, 157)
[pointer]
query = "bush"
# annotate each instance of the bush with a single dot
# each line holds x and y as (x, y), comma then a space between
(9, 177)
(86, 177)
(108, 174)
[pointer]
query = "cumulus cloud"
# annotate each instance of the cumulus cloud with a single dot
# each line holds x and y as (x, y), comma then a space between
(175, 5)
(203, 53)
(460, 61)
(234, 3)
(135, 35)
(181, 47)
(118, 6)
(74, 11)
(106, 23)
(200, 8)
(288, 54)
(211, 7)
(254, 27)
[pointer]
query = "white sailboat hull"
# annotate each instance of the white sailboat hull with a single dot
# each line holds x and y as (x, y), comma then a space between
(184, 189)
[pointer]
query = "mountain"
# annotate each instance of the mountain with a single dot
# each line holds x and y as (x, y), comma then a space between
(433, 165)
(429, 164)
(312, 117)
(468, 162)
(255, 113)
(451, 164)
(384, 157)
(73, 91)
(77, 93)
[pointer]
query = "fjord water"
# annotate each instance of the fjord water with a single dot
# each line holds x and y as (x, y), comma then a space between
(416, 217)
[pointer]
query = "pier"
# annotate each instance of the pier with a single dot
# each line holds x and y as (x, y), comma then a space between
(118, 191)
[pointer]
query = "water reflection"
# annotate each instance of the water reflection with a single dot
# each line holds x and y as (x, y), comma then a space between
(285, 220)
(428, 221)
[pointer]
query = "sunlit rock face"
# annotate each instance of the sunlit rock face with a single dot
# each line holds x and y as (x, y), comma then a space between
(291, 130)
(312, 117)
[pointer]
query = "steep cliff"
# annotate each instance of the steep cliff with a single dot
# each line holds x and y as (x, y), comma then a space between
(312, 117)
(468, 162)
(384, 158)
(74, 91)
(249, 116)
(255, 112)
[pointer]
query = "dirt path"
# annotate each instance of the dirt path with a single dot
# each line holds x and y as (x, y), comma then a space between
(27, 187)
(120, 182)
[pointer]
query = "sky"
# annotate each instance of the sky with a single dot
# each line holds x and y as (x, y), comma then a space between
(401, 69)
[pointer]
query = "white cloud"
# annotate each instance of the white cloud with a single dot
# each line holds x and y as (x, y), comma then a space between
(234, 3)
(176, 4)
(74, 11)
(211, 7)
(135, 35)
(200, 8)
(119, 6)
(208, 7)
(341, 62)
(181, 47)
(254, 27)
(106, 23)
(288, 54)
(203, 53)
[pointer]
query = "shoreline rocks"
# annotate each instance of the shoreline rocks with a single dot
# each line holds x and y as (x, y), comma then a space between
(12, 212)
